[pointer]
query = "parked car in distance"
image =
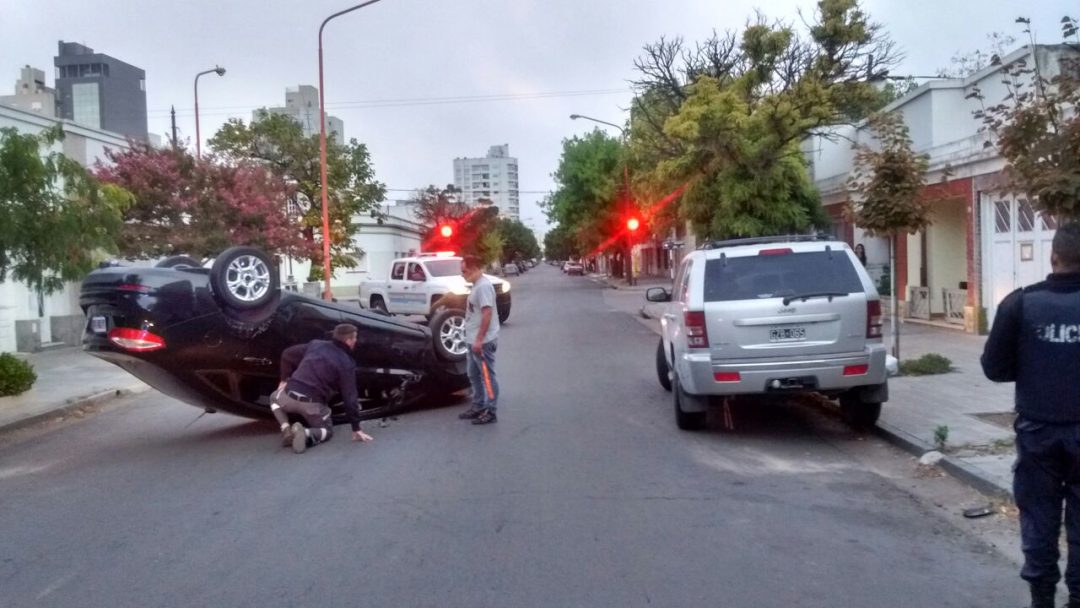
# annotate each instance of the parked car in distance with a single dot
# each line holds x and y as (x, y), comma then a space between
(574, 268)
(511, 270)
(772, 316)
(213, 337)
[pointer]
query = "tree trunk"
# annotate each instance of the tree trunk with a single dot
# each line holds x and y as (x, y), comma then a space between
(895, 298)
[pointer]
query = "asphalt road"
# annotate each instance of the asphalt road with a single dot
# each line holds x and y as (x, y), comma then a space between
(583, 494)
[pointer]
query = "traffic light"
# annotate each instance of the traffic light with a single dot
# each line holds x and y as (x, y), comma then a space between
(633, 224)
(446, 231)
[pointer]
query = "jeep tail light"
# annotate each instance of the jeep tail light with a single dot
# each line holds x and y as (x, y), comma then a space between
(696, 334)
(873, 319)
(137, 340)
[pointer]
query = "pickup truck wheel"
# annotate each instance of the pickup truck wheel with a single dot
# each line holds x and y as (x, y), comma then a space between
(448, 333)
(663, 373)
(378, 305)
(858, 413)
(687, 421)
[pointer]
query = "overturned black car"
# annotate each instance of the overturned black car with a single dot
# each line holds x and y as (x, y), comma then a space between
(212, 337)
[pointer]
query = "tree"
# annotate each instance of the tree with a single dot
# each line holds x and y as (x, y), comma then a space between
(184, 205)
(437, 206)
(725, 119)
(888, 182)
(279, 142)
(588, 187)
(1037, 128)
(519, 243)
(963, 65)
(56, 220)
(559, 244)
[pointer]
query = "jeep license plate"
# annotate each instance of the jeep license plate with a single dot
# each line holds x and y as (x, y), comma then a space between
(98, 325)
(787, 334)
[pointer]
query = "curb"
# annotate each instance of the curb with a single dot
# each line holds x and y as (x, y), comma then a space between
(971, 475)
(73, 404)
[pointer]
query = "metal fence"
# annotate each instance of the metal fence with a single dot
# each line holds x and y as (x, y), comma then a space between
(955, 300)
(919, 302)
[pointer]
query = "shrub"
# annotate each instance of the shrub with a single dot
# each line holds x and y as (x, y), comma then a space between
(926, 365)
(16, 375)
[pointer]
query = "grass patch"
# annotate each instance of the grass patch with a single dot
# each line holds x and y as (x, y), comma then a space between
(926, 365)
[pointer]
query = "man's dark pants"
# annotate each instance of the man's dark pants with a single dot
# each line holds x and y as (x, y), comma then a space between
(316, 415)
(1047, 473)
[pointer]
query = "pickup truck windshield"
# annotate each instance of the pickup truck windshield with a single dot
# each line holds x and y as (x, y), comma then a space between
(443, 268)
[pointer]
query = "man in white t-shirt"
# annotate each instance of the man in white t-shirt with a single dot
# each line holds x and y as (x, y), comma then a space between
(481, 333)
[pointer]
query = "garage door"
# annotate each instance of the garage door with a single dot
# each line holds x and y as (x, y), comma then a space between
(1016, 246)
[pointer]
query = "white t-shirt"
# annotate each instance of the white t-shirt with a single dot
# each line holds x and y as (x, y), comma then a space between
(481, 295)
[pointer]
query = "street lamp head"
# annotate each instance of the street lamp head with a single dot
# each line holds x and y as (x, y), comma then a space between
(220, 70)
(575, 116)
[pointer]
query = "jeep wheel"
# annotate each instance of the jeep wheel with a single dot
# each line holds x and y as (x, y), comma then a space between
(859, 414)
(663, 373)
(687, 421)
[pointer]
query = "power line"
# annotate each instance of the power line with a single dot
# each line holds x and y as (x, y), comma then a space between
(404, 102)
(423, 188)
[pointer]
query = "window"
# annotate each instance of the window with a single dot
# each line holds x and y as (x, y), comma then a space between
(1025, 217)
(86, 104)
(1002, 217)
(771, 276)
(398, 272)
(1048, 221)
(416, 272)
(444, 268)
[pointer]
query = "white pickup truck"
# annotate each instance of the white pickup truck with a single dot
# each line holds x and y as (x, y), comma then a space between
(430, 284)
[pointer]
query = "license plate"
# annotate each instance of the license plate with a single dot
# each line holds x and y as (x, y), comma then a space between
(787, 334)
(98, 325)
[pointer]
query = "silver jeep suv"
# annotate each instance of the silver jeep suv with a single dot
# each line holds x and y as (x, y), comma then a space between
(772, 315)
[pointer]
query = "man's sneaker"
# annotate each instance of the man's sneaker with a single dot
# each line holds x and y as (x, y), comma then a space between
(299, 440)
(470, 414)
(286, 436)
(486, 416)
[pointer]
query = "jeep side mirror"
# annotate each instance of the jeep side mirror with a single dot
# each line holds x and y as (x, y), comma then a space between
(658, 294)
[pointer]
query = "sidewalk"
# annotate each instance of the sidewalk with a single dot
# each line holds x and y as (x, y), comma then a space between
(978, 413)
(67, 379)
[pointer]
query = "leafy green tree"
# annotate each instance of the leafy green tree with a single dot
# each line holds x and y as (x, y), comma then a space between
(184, 205)
(56, 219)
(559, 244)
(1037, 128)
(279, 142)
(437, 206)
(519, 243)
(587, 198)
(725, 119)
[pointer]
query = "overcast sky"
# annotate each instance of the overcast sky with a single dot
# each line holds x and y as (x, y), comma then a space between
(396, 71)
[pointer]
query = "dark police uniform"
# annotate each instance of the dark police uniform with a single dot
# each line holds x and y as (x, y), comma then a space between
(1035, 342)
(313, 373)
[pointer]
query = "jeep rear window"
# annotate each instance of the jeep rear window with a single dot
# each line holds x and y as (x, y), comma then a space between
(443, 268)
(773, 276)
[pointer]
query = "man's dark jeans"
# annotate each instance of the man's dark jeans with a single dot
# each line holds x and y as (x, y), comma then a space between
(1047, 474)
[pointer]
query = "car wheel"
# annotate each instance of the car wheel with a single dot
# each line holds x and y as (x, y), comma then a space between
(858, 413)
(448, 333)
(504, 314)
(663, 373)
(378, 305)
(687, 421)
(177, 261)
(244, 278)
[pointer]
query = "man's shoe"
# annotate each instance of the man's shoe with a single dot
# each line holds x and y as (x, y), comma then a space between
(486, 416)
(470, 414)
(299, 440)
(286, 436)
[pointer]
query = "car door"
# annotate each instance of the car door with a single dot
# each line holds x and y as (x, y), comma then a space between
(397, 289)
(415, 300)
(671, 320)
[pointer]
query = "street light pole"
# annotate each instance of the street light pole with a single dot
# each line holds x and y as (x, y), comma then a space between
(327, 294)
(629, 261)
(220, 71)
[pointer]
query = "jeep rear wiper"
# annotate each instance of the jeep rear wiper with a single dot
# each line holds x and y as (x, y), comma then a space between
(818, 294)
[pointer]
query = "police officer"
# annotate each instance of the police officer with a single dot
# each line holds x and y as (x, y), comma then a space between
(1035, 342)
(310, 374)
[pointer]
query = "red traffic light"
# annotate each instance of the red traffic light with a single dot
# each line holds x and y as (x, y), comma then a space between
(446, 231)
(633, 224)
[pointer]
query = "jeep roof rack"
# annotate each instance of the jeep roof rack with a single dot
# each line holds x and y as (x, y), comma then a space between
(762, 240)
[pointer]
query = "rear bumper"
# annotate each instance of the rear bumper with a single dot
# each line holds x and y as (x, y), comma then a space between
(697, 373)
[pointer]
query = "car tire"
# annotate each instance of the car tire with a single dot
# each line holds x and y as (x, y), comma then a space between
(686, 421)
(379, 306)
(448, 333)
(178, 261)
(504, 314)
(244, 278)
(663, 372)
(859, 414)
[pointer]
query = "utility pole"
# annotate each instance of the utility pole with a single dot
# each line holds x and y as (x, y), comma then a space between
(172, 110)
